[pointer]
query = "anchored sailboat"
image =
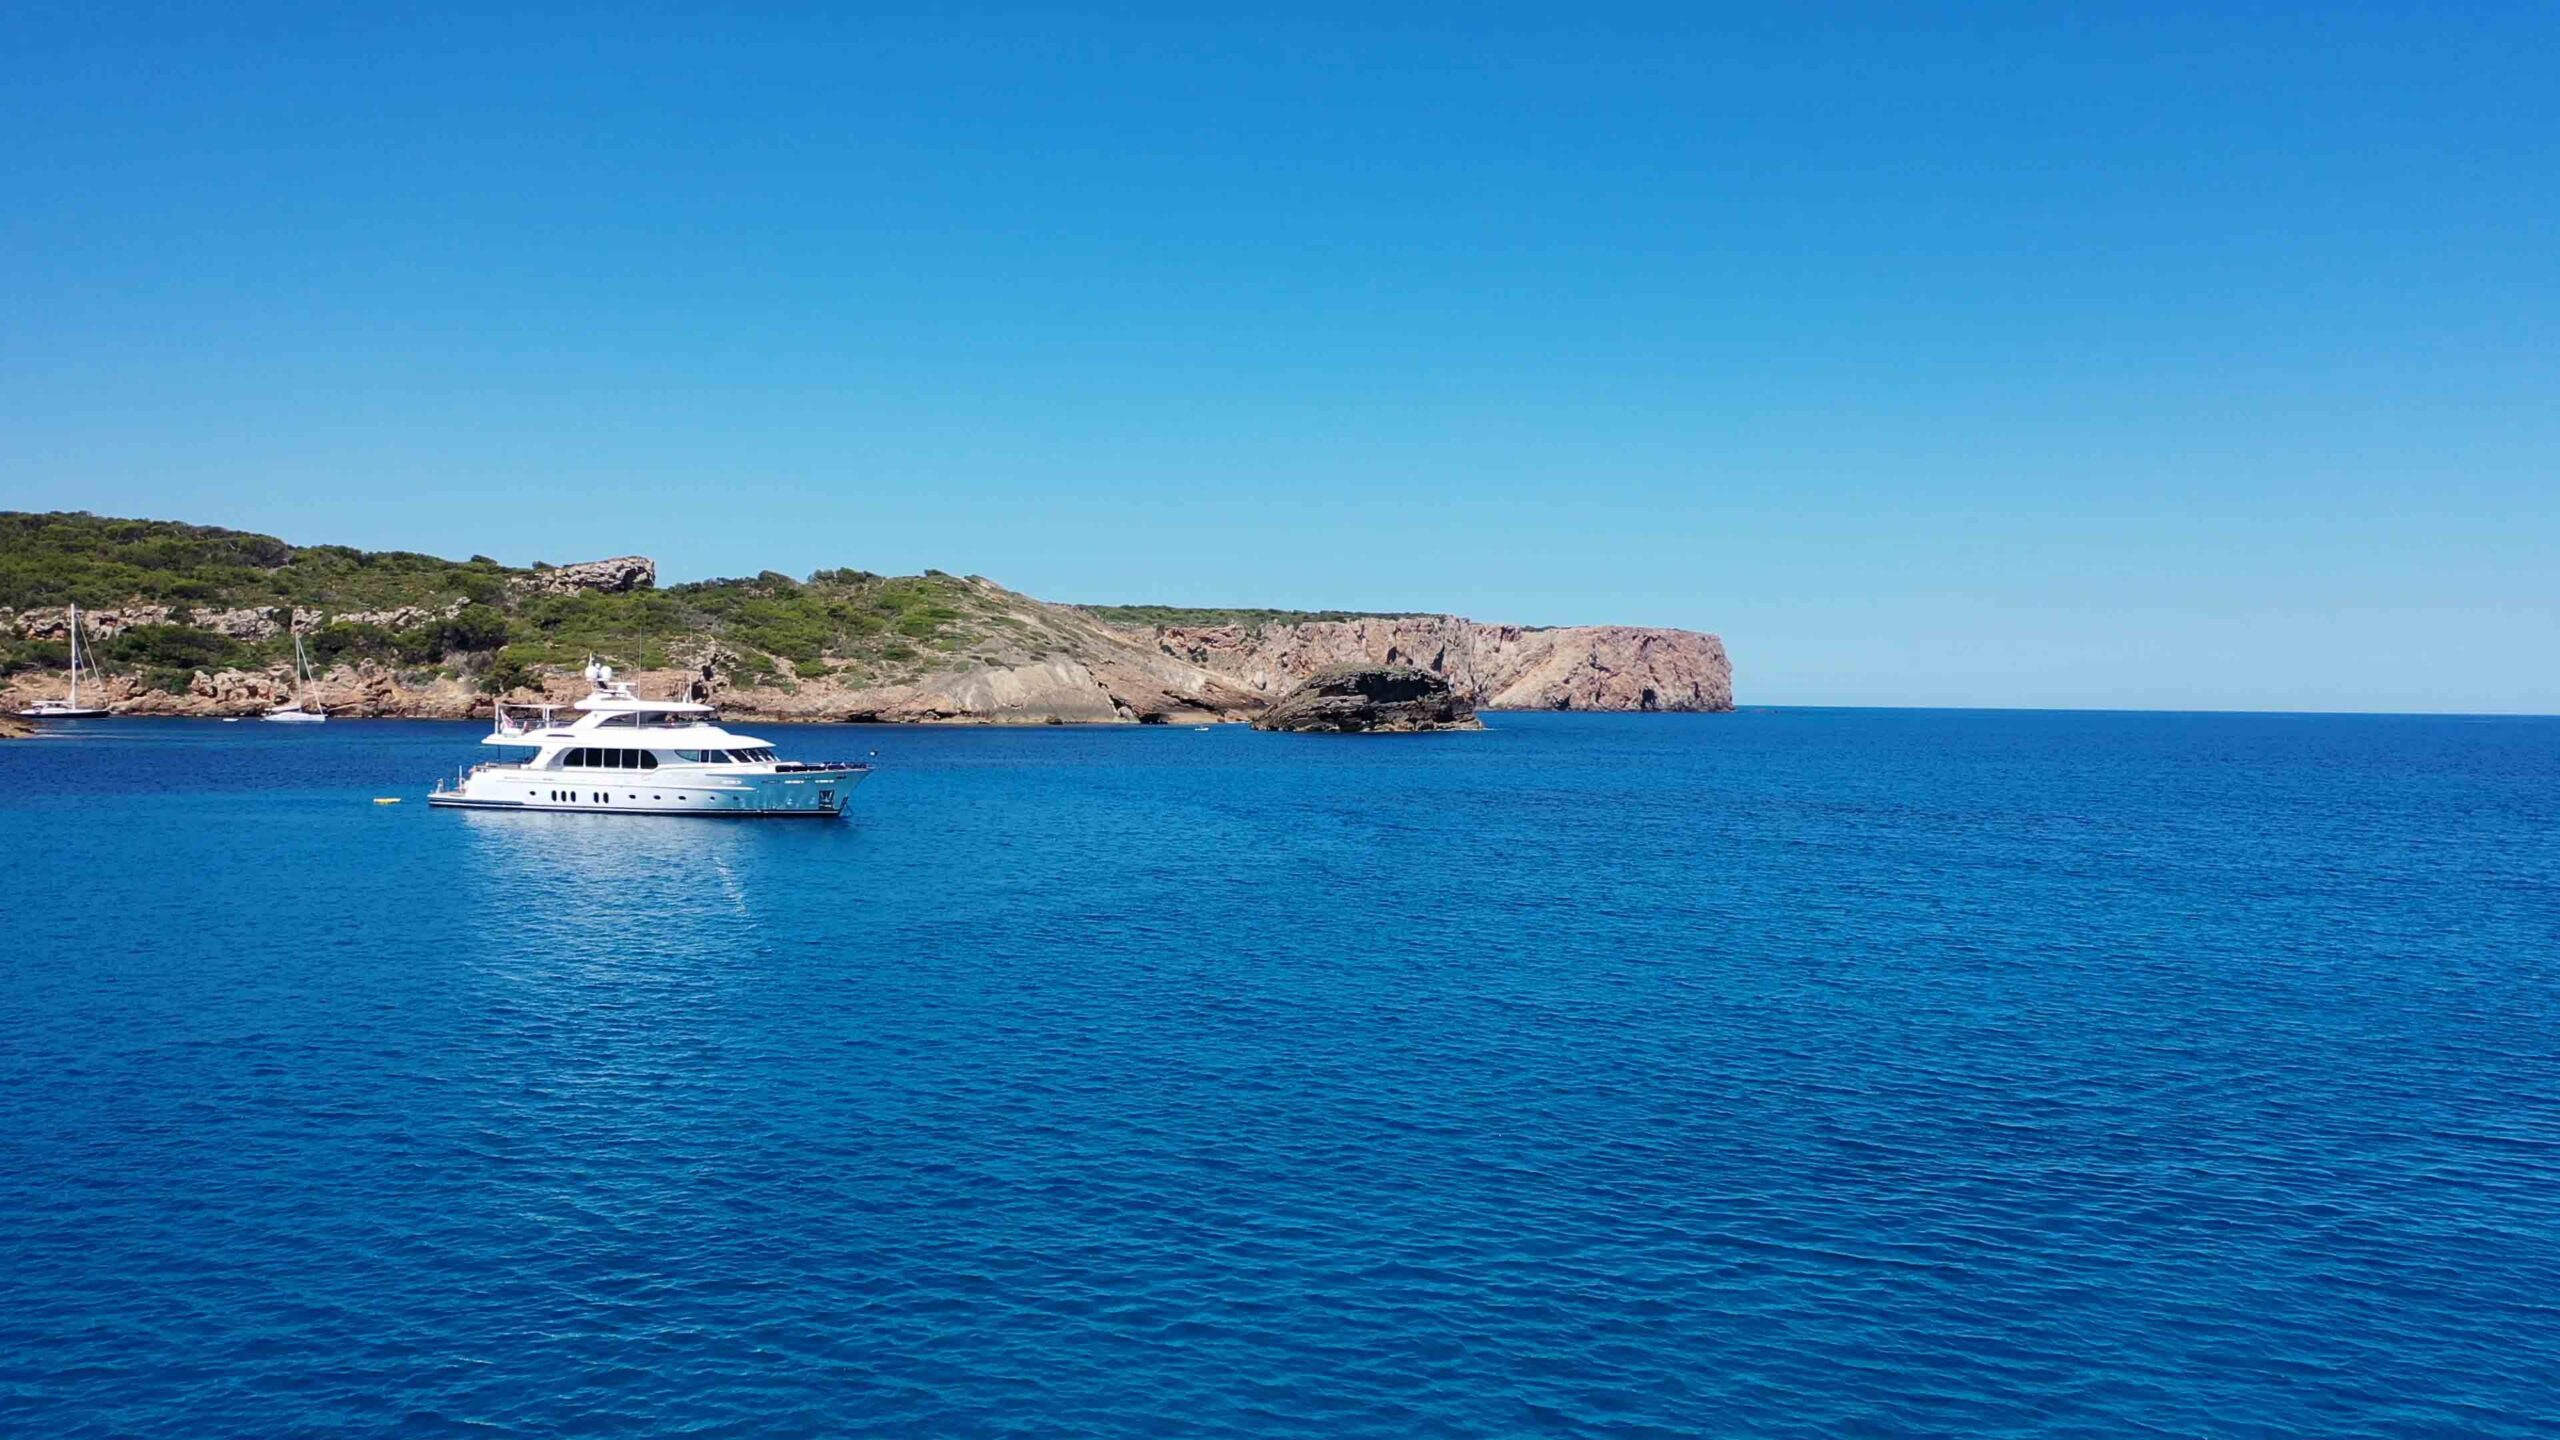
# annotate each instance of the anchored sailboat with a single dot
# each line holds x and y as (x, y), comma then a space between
(301, 711)
(72, 709)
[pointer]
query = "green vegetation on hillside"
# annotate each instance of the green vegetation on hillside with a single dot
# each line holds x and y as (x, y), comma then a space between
(870, 627)
(94, 560)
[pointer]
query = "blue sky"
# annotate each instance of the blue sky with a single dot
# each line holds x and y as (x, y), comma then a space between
(2045, 356)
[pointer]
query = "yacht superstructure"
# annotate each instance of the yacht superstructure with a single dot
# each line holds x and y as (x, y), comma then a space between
(622, 754)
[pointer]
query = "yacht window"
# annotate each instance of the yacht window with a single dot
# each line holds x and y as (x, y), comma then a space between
(617, 759)
(574, 757)
(623, 720)
(648, 761)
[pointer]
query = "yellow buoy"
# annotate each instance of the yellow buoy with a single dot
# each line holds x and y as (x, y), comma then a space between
(386, 799)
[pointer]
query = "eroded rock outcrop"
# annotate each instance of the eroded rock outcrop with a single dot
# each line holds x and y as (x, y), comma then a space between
(622, 572)
(1371, 700)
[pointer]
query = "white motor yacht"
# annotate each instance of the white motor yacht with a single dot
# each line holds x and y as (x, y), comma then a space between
(625, 755)
(71, 709)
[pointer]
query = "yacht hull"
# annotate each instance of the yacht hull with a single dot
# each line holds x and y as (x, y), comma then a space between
(816, 795)
(62, 712)
(457, 802)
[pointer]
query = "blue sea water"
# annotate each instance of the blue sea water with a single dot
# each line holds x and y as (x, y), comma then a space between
(1789, 1073)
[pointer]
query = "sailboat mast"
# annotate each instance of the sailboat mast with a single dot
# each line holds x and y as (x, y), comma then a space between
(75, 657)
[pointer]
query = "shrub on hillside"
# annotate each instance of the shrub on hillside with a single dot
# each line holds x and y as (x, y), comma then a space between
(507, 671)
(341, 640)
(170, 647)
(473, 628)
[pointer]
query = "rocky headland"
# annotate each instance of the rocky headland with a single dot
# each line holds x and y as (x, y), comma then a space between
(174, 616)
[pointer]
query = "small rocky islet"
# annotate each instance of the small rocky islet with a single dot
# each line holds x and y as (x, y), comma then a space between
(197, 620)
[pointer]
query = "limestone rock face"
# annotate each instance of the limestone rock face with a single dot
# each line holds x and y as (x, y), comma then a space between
(398, 618)
(239, 624)
(622, 572)
(1372, 700)
(1498, 667)
(359, 690)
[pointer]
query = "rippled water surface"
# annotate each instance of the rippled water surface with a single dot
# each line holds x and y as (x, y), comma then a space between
(1786, 1073)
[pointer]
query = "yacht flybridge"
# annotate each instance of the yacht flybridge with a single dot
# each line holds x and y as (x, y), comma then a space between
(625, 755)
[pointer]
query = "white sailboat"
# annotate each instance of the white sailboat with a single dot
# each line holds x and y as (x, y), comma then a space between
(72, 709)
(301, 711)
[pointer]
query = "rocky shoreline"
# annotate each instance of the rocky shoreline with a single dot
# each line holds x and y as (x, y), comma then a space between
(1187, 677)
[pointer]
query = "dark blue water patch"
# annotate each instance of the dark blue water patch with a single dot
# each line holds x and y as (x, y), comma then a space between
(1783, 1073)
